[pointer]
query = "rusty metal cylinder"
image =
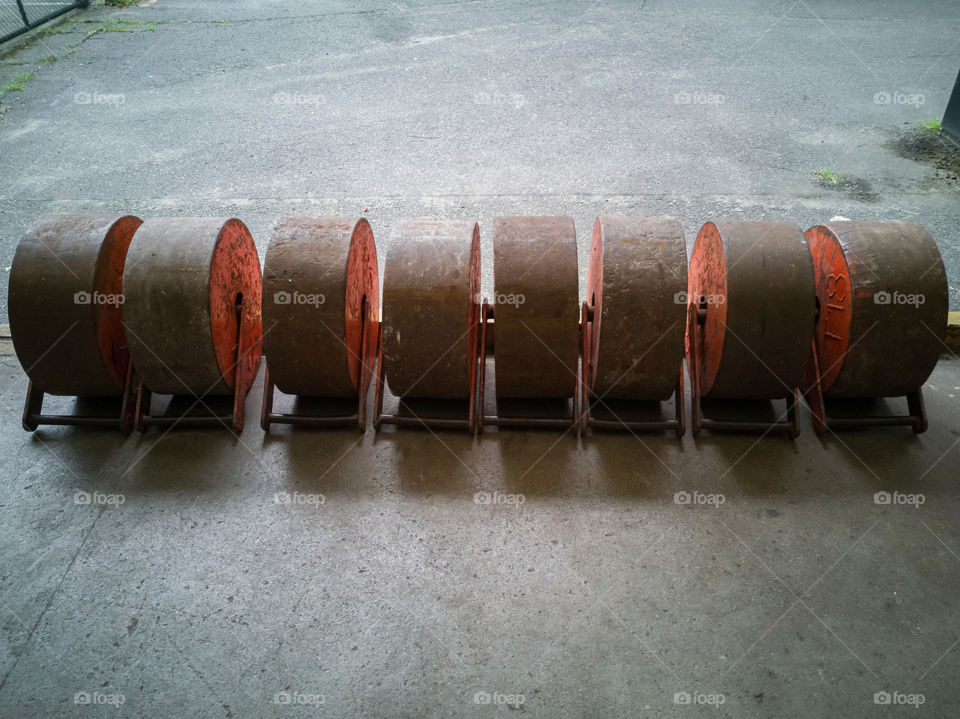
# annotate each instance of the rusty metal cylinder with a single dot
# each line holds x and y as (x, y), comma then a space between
(431, 308)
(637, 285)
(754, 280)
(320, 278)
(66, 303)
(536, 302)
(882, 294)
(191, 286)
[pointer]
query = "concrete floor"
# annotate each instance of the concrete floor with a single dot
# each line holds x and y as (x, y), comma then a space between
(187, 586)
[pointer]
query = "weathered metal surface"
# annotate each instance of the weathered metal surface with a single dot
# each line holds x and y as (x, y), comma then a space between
(319, 277)
(431, 308)
(66, 303)
(191, 285)
(882, 291)
(636, 284)
(536, 306)
(755, 280)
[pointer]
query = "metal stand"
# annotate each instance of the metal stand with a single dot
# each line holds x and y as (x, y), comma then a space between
(358, 418)
(469, 423)
(33, 409)
(695, 328)
(916, 419)
(242, 381)
(587, 420)
(566, 422)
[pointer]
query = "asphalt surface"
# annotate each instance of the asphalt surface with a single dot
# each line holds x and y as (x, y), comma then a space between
(194, 573)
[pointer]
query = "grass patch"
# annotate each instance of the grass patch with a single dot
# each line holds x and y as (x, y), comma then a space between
(120, 3)
(62, 28)
(117, 25)
(48, 59)
(854, 187)
(831, 178)
(17, 85)
(933, 125)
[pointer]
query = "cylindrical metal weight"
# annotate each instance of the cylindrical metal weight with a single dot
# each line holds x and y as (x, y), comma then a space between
(637, 285)
(431, 309)
(755, 282)
(320, 278)
(882, 293)
(191, 286)
(536, 306)
(66, 303)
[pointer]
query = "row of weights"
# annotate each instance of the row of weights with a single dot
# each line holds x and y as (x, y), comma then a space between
(115, 306)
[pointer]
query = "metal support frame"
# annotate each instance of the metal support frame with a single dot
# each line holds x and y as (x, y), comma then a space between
(241, 386)
(916, 419)
(587, 420)
(33, 415)
(695, 327)
(469, 423)
(358, 418)
(567, 422)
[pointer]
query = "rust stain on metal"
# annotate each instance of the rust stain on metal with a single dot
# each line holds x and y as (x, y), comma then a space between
(184, 324)
(320, 277)
(635, 287)
(535, 258)
(754, 283)
(431, 309)
(882, 289)
(66, 303)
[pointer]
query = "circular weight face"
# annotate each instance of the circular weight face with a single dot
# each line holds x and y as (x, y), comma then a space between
(637, 284)
(882, 292)
(191, 286)
(707, 288)
(755, 281)
(319, 278)
(66, 303)
(431, 287)
(536, 300)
